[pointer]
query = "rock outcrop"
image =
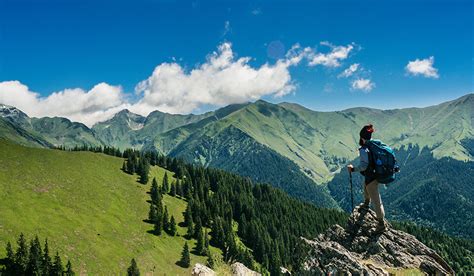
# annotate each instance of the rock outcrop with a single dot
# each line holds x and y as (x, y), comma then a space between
(202, 270)
(239, 269)
(359, 249)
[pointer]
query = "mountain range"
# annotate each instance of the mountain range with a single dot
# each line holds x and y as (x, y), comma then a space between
(287, 145)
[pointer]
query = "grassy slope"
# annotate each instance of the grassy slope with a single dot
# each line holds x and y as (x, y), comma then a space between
(87, 208)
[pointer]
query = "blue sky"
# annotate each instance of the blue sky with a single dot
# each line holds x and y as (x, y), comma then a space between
(51, 46)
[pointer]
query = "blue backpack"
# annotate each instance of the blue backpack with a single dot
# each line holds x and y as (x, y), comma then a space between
(383, 160)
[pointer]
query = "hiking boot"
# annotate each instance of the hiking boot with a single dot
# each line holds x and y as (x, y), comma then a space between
(365, 205)
(381, 227)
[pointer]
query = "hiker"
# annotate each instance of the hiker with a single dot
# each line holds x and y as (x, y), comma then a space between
(366, 168)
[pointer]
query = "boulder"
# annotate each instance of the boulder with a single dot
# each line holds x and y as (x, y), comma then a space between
(359, 249)
(202, 270)
(239, 269)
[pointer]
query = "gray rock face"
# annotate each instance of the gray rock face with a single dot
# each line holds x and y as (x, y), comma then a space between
(239, 269)
(359, 249)
(202, 270)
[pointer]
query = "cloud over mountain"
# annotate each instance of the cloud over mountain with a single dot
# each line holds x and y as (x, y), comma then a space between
(221, 80)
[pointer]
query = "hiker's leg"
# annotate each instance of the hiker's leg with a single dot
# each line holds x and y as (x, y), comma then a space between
(373, 190)
(366, 194)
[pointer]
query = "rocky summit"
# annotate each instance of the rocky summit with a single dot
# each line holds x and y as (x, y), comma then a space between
(359, 249)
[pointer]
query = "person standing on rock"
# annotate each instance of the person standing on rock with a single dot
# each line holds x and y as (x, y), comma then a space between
(371, 185)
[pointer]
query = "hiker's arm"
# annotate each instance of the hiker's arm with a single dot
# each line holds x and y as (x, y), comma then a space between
(364, 161)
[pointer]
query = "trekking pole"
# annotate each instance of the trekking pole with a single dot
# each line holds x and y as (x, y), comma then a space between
(352, 194)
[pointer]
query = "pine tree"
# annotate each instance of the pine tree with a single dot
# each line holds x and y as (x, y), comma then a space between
(165, 183)
(21, 256)
(47, 263)
(57, 269)
(190, 232)
(158, 227)
(185, 258)
(10, 260)
(197, 228)
(144, 170)
(69, 271)
(188, 216)
(200, 247)
(124, 166)
(166, 223)
(34, 257)
(152, 213)
(206, 242)
(133, 269)
(172, 226)
(173, 189)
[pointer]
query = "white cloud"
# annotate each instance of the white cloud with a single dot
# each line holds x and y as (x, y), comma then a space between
(220, 81)
(331, 59)
(365, 85)
(349, 71)
(99, 103)
(422, 67)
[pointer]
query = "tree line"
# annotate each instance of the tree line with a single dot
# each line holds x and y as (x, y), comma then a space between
(34, 260)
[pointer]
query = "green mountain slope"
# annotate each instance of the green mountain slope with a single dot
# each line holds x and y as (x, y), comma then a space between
(51, 131)
(88, 209)
(12, 132)
(62, 132)
(235, 151)
(130, 130)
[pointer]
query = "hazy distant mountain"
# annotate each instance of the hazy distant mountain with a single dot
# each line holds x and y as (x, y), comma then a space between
(44, 132)
(127, 129)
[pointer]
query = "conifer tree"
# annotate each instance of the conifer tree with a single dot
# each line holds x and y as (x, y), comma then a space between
(185, 258)
(57, 269)
(46, 262)
(10, 260)
(190, 231)
(200, 247)
(21, 256)
(34, 258)
(206, 243)
(69, 271)
(133, 269)
(165, 219)
(173, 189)
(197, 228)
(188, 216)
(172, 226)
(158, 227)
(165, 183)
(152, 213)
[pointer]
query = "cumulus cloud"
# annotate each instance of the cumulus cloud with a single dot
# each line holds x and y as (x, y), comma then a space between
(349, 71)
(221, 80)
(99, 103)
(331, 59)
(423, 67)
(362, 84)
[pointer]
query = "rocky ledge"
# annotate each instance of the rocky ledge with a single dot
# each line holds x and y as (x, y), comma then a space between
(358, 249)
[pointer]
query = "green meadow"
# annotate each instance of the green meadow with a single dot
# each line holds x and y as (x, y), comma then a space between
(89, 210)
